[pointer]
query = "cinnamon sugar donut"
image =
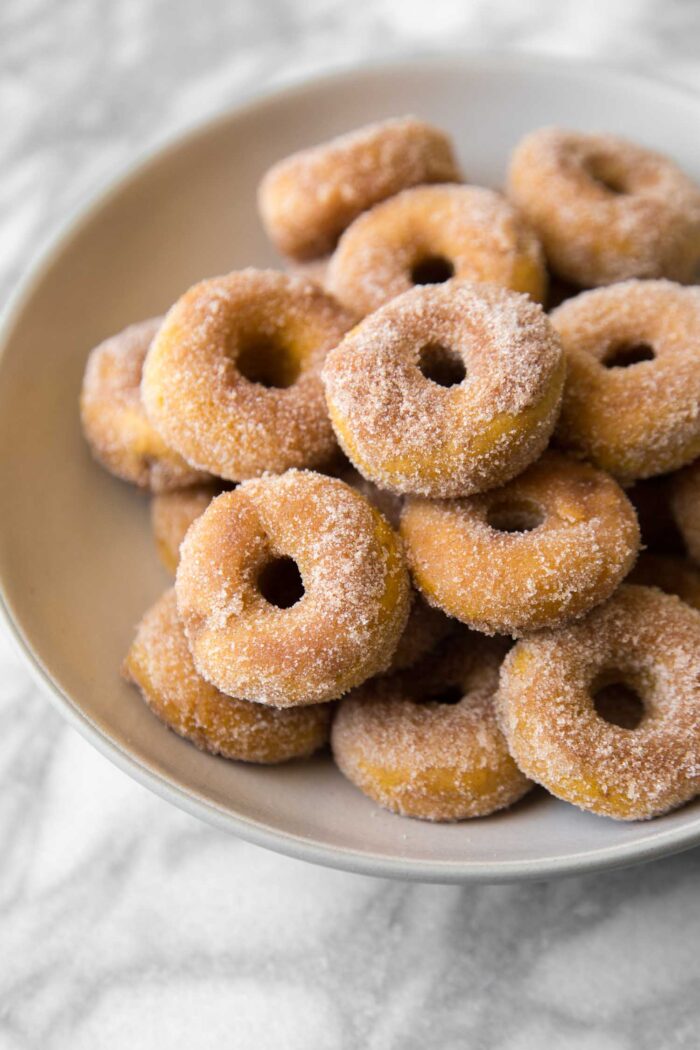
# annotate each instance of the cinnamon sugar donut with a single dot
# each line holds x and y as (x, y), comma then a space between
(232, 380)
(160, 664)
(425, 743)
(115, 424)
(308, 199)
(446, 390)
(543, 549)
(632, 396)
(427, 235)
(670, 574)
(650, 643)
(292, 590)
(172, 513)
(685, 507)
(605, 208)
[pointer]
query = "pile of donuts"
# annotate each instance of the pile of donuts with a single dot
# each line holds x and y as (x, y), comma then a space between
(400, 482)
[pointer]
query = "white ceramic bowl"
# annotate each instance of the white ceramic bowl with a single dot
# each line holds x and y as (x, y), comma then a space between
(77, 564)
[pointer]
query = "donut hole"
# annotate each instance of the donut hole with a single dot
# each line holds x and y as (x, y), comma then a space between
(515, 516)
(432, 269)
(280, 583)
(623, 355)
(268, 363)
(441, 365)
(450, 694)
(605, 175)
(617, 703)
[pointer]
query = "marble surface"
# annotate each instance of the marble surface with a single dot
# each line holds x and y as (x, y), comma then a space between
(124, 922)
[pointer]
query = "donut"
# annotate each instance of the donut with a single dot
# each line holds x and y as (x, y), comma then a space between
(543, 549)
(425, 743)
(632, 395)
(308, 199)
(606, 209)
(232, 380)
(160, 664)
(447, 390)
(670, 574)
(548, 706)
(292, 589)
(429, 234)
(172, 513)
(315, 270)
(115, 425)
(685, 507)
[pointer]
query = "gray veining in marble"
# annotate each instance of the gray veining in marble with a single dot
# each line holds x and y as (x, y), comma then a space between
(125, 923)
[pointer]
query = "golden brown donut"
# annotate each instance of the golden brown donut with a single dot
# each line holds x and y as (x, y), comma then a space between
(232, 380)
(633, 381)
(543, 549)
(292, 590)
(172, 513)
(425, 743)
(447, 390)
(670, 574)
(115, 424)
(308, 199)
(429, 234)
(605, 208)
(160, 664)
(685, 507)
(648, 642)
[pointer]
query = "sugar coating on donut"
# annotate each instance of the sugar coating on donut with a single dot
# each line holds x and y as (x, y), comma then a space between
(643, 639)
(114, 421)
(605, 208)
(399, 741)
(172, 513)
(642, 419)
(406, 432)
(537, 552)
(685, 507)
(670, 573)
(472, 232)
(343, 628)
(233, 378)
(309, 198)
(160, 664)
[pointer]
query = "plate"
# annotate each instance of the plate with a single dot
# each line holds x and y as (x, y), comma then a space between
(77, 563)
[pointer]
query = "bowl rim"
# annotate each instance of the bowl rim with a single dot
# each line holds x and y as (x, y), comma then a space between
(257, 832)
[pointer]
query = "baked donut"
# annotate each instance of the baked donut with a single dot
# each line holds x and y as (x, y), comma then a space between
(547, 547)
(447, 390)
(646, 641)
(292, 590)
(670, 574)
(685, 507)
(160, 664)
(425, 743)
(172, 513)
(232, 380)
(632, 396)
(429, 234)
(308, 199)
(115, 424)
(606, 209)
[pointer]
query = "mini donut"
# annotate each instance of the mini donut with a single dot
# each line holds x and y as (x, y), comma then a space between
(670, 574)
(232, 380)
(172, 513)
(160, 664)
(685, 507)
(632, 396)
(643, 640)
(427, 235)
(545, 548)
(308, 199)
(606, 209)
(116, 427)
(292, 589)
(425, 743)
(447, 390)
(315, 270)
